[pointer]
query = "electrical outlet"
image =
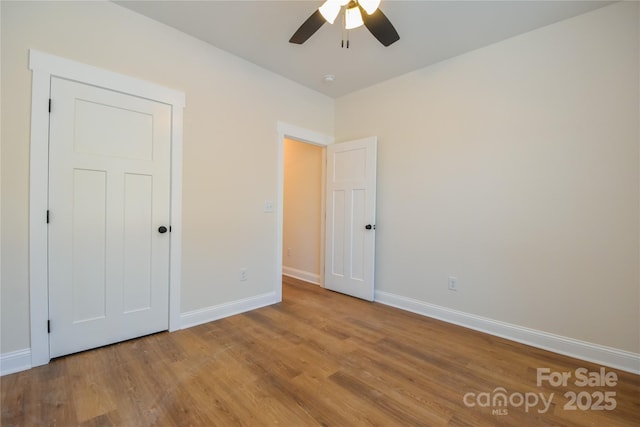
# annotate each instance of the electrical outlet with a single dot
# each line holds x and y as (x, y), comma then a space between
(244, 274)
(288, 251)
(453, 283)
(268, 206)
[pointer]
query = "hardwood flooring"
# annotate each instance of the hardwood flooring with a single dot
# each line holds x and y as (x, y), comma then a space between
(318, 358)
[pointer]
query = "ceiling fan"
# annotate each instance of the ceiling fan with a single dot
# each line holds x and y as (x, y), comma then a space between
(356, 13)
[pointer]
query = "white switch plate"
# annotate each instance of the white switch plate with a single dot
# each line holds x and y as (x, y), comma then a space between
(453, 283)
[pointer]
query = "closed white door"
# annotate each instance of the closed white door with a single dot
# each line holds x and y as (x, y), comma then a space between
(351, 215)
(109, 189)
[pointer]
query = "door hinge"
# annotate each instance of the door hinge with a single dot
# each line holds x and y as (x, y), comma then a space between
(47, 216)
(49, 104)
(48, 326)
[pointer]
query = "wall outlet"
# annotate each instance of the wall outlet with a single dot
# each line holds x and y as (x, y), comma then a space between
(288, 251)
(268, 206)
(453, 283)
(244, 274)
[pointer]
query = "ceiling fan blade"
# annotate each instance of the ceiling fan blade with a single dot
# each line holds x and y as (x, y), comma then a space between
(380, 26)
(308, 28)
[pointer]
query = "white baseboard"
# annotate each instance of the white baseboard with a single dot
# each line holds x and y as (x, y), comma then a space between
(209, 314)
(301, 275)
(15, 361)
(608, 356)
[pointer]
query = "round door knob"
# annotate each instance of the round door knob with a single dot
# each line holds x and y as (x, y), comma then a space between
(162, 229)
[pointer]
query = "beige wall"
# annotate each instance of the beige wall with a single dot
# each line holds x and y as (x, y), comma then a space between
(230, 144)
(515, 168)
(302, 210)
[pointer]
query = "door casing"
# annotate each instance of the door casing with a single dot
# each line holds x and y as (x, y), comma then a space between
(45, 66)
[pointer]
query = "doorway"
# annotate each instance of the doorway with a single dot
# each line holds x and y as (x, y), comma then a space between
(301, 135)
(303, 211)
(349, 238)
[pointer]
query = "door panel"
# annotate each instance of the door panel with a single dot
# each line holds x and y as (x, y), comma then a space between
(358, 237)
(138, 229)
(337, 233)
(109, 189)
(88, 245)
(351, 200)
(130, 139)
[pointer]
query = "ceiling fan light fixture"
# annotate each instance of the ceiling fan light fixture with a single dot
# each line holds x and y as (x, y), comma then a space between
(376, 21)
(330, 10)
(369, 6)
(353, 18)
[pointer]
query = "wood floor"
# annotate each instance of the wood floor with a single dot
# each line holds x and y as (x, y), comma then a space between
(318, 358)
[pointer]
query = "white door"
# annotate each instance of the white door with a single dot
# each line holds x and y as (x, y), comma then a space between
(109, 186)
(351, 217)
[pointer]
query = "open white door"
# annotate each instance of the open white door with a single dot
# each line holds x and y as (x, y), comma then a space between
(350, 220)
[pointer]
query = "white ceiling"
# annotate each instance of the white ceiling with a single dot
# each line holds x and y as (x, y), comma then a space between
(430, 31)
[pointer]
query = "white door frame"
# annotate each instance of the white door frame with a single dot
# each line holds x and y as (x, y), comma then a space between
(286, 130)
(45, 66)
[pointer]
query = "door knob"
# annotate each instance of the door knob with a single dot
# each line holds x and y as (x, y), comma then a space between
(162, 229)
